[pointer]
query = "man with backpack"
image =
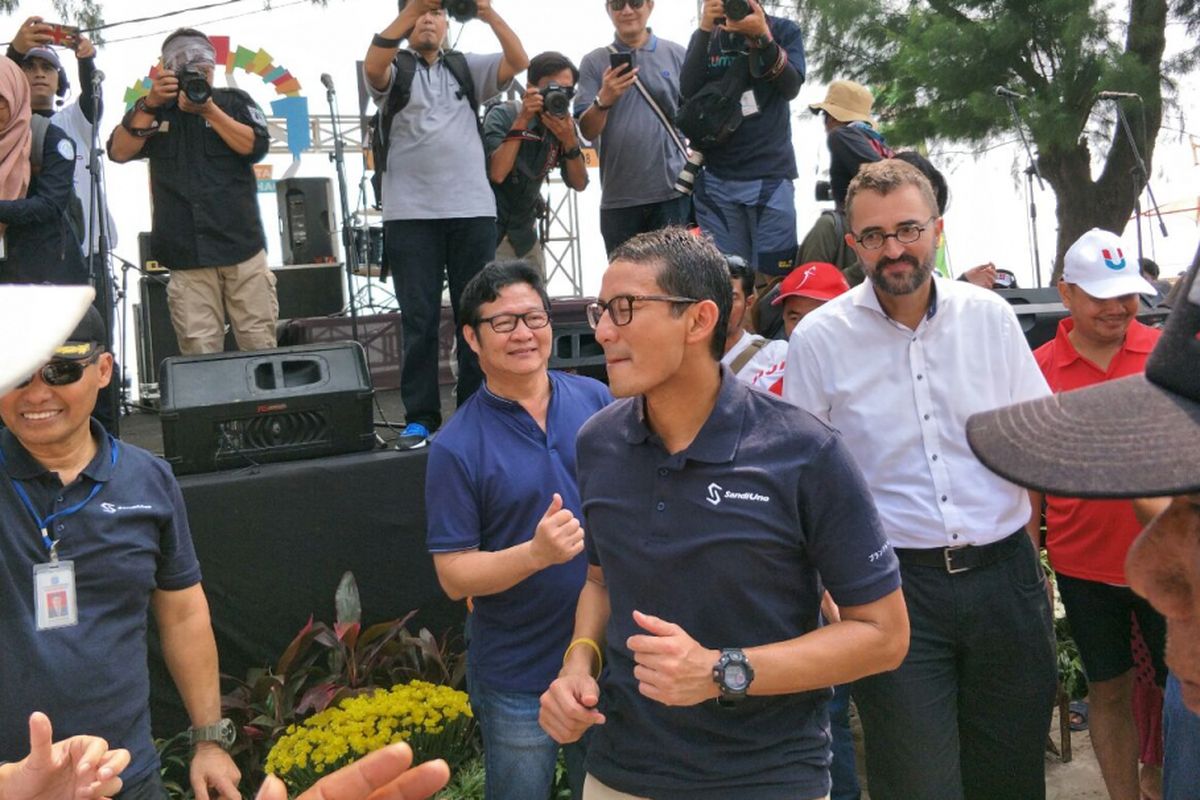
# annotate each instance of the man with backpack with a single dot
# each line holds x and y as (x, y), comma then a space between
(744, 197)
(439, 214)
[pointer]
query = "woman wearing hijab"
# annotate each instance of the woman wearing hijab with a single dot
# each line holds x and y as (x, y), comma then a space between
(40, 245)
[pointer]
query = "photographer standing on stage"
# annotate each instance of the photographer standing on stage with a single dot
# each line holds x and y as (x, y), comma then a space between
(48, 86)
(524, 141)
(744, 198)
(202, 143)
(439, 214)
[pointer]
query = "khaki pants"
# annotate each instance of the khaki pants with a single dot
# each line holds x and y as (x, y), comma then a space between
(200, 299)
(595, 790)
(535, 256)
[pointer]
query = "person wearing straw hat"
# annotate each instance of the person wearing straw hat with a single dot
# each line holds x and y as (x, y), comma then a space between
(1135, 437)
(850, 134)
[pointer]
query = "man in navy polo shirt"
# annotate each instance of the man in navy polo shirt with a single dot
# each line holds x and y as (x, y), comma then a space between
(96, 531)
(715, 516)
(503, 512)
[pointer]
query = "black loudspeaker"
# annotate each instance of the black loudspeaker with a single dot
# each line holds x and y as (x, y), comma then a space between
(305, 222)
(1040, 310)
(232, 410)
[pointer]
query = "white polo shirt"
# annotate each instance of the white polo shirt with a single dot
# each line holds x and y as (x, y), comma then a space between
(901, 399)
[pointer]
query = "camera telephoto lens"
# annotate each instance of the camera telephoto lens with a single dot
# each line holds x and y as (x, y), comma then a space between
(737, 10)
(460, 10)
(556, 101)
(824, 192)
(685, 182)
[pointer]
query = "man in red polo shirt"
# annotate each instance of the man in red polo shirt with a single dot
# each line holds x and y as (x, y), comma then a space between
(1088, 539)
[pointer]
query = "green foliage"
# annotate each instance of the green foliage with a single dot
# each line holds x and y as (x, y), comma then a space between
(466, 783)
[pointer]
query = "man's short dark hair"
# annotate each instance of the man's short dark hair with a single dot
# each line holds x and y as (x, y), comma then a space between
(741, 271)
(550, 63)
(486, 285)
(182, 32)
(688, 266)
(1149, 268)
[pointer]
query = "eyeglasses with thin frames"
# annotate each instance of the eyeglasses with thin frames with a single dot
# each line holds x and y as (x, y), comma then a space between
(60, 372)
(907, 233)
(620, 308)
(507, 323)
(617, 5)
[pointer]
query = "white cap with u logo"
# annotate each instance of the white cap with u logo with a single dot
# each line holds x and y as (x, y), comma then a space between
(1099, 264)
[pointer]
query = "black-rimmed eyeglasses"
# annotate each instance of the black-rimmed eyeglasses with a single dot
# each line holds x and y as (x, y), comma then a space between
(507, 323)
(620, 308)
(60, 372)
(907, 233)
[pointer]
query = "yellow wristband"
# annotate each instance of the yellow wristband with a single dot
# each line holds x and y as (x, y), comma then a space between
(595, 648)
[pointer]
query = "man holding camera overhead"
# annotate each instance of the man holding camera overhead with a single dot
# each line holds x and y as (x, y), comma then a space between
(744, 196)
(526, 139)
(202, 143)
(439, 215)
(627, 100)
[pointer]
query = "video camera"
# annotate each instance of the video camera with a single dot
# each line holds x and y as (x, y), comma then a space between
(193, 82)
(556, 100)
(461, 10)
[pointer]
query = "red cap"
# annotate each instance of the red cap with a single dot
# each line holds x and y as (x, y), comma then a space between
(816, 279)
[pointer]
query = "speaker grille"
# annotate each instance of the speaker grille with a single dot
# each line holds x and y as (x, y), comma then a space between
(265, 432)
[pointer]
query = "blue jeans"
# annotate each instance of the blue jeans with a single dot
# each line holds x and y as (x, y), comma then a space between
(754, 219)
(1181, 746)
(518, 756)
(842, 770)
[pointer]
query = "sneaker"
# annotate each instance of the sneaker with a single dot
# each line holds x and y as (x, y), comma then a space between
(414, 436)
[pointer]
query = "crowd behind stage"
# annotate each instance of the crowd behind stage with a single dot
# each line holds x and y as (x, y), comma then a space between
(801, 488)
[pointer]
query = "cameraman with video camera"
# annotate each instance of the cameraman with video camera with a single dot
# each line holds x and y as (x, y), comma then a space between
(201, 143)
(744, 198)
(524, 141)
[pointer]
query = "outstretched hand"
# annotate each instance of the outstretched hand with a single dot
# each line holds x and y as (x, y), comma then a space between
(382, 775)
(78, 768)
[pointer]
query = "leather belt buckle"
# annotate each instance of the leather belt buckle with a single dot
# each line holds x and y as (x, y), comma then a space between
(948, 554)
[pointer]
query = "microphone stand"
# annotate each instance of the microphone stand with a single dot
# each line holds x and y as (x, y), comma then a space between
(98, 256)
(1141, 177)
(338, 157)
(1031, 172)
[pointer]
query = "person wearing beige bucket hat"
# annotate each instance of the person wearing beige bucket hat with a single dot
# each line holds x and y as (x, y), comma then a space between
(850, 133)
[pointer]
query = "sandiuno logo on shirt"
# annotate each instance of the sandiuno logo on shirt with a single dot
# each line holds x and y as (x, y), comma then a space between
(717, 493)
(109, 508)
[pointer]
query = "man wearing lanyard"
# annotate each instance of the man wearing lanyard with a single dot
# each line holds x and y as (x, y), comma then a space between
(93, 534)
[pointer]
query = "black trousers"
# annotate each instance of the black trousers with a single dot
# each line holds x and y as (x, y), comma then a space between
(419, 253)
(965, 717)
(619, 225)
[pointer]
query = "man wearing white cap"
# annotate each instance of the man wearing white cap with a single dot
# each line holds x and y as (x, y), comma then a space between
(1088, 540)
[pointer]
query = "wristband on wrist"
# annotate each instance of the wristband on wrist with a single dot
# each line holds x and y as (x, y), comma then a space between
(141, 105)
(596, 102)
(595, 648)
(379, 40)
(574, 153)
(141, 133)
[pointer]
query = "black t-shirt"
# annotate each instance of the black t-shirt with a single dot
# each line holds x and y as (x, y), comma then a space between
(851, 146)
(205, 193)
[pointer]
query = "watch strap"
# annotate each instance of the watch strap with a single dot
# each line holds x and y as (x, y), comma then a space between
(222, 732)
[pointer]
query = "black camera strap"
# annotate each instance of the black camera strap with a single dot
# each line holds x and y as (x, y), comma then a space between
(658, 112)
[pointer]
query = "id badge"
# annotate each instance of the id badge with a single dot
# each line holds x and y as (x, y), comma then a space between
(749, 103)
(54, 595)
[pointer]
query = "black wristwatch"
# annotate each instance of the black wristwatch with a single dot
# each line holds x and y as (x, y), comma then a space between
(141, 105)
(732, 674)
(763, 41)
(573, 153)
(222, 732)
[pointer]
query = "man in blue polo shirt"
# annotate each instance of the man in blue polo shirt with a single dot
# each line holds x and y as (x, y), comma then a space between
(715, 516)
(93, 536)
(503, 512)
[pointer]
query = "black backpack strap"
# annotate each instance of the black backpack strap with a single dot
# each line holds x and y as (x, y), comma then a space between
(456, 62)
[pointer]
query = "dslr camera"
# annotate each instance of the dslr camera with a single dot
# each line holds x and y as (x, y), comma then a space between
(461, 10)
(194, 84)
(556, 100)
(737, 10)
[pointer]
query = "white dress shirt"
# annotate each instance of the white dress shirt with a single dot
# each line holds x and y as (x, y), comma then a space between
(901, 399)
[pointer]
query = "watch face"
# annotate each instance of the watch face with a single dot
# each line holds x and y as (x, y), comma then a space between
(735, 677)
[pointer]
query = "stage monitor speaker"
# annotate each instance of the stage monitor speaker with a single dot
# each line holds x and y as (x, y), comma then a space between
(574, 349)
(232, 410)
(306, 225)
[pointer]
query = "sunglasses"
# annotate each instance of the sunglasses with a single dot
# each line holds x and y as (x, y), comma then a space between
(617, 5)
(60, 373)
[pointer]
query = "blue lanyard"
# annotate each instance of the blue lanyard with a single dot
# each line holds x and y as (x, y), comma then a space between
(44, 524)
